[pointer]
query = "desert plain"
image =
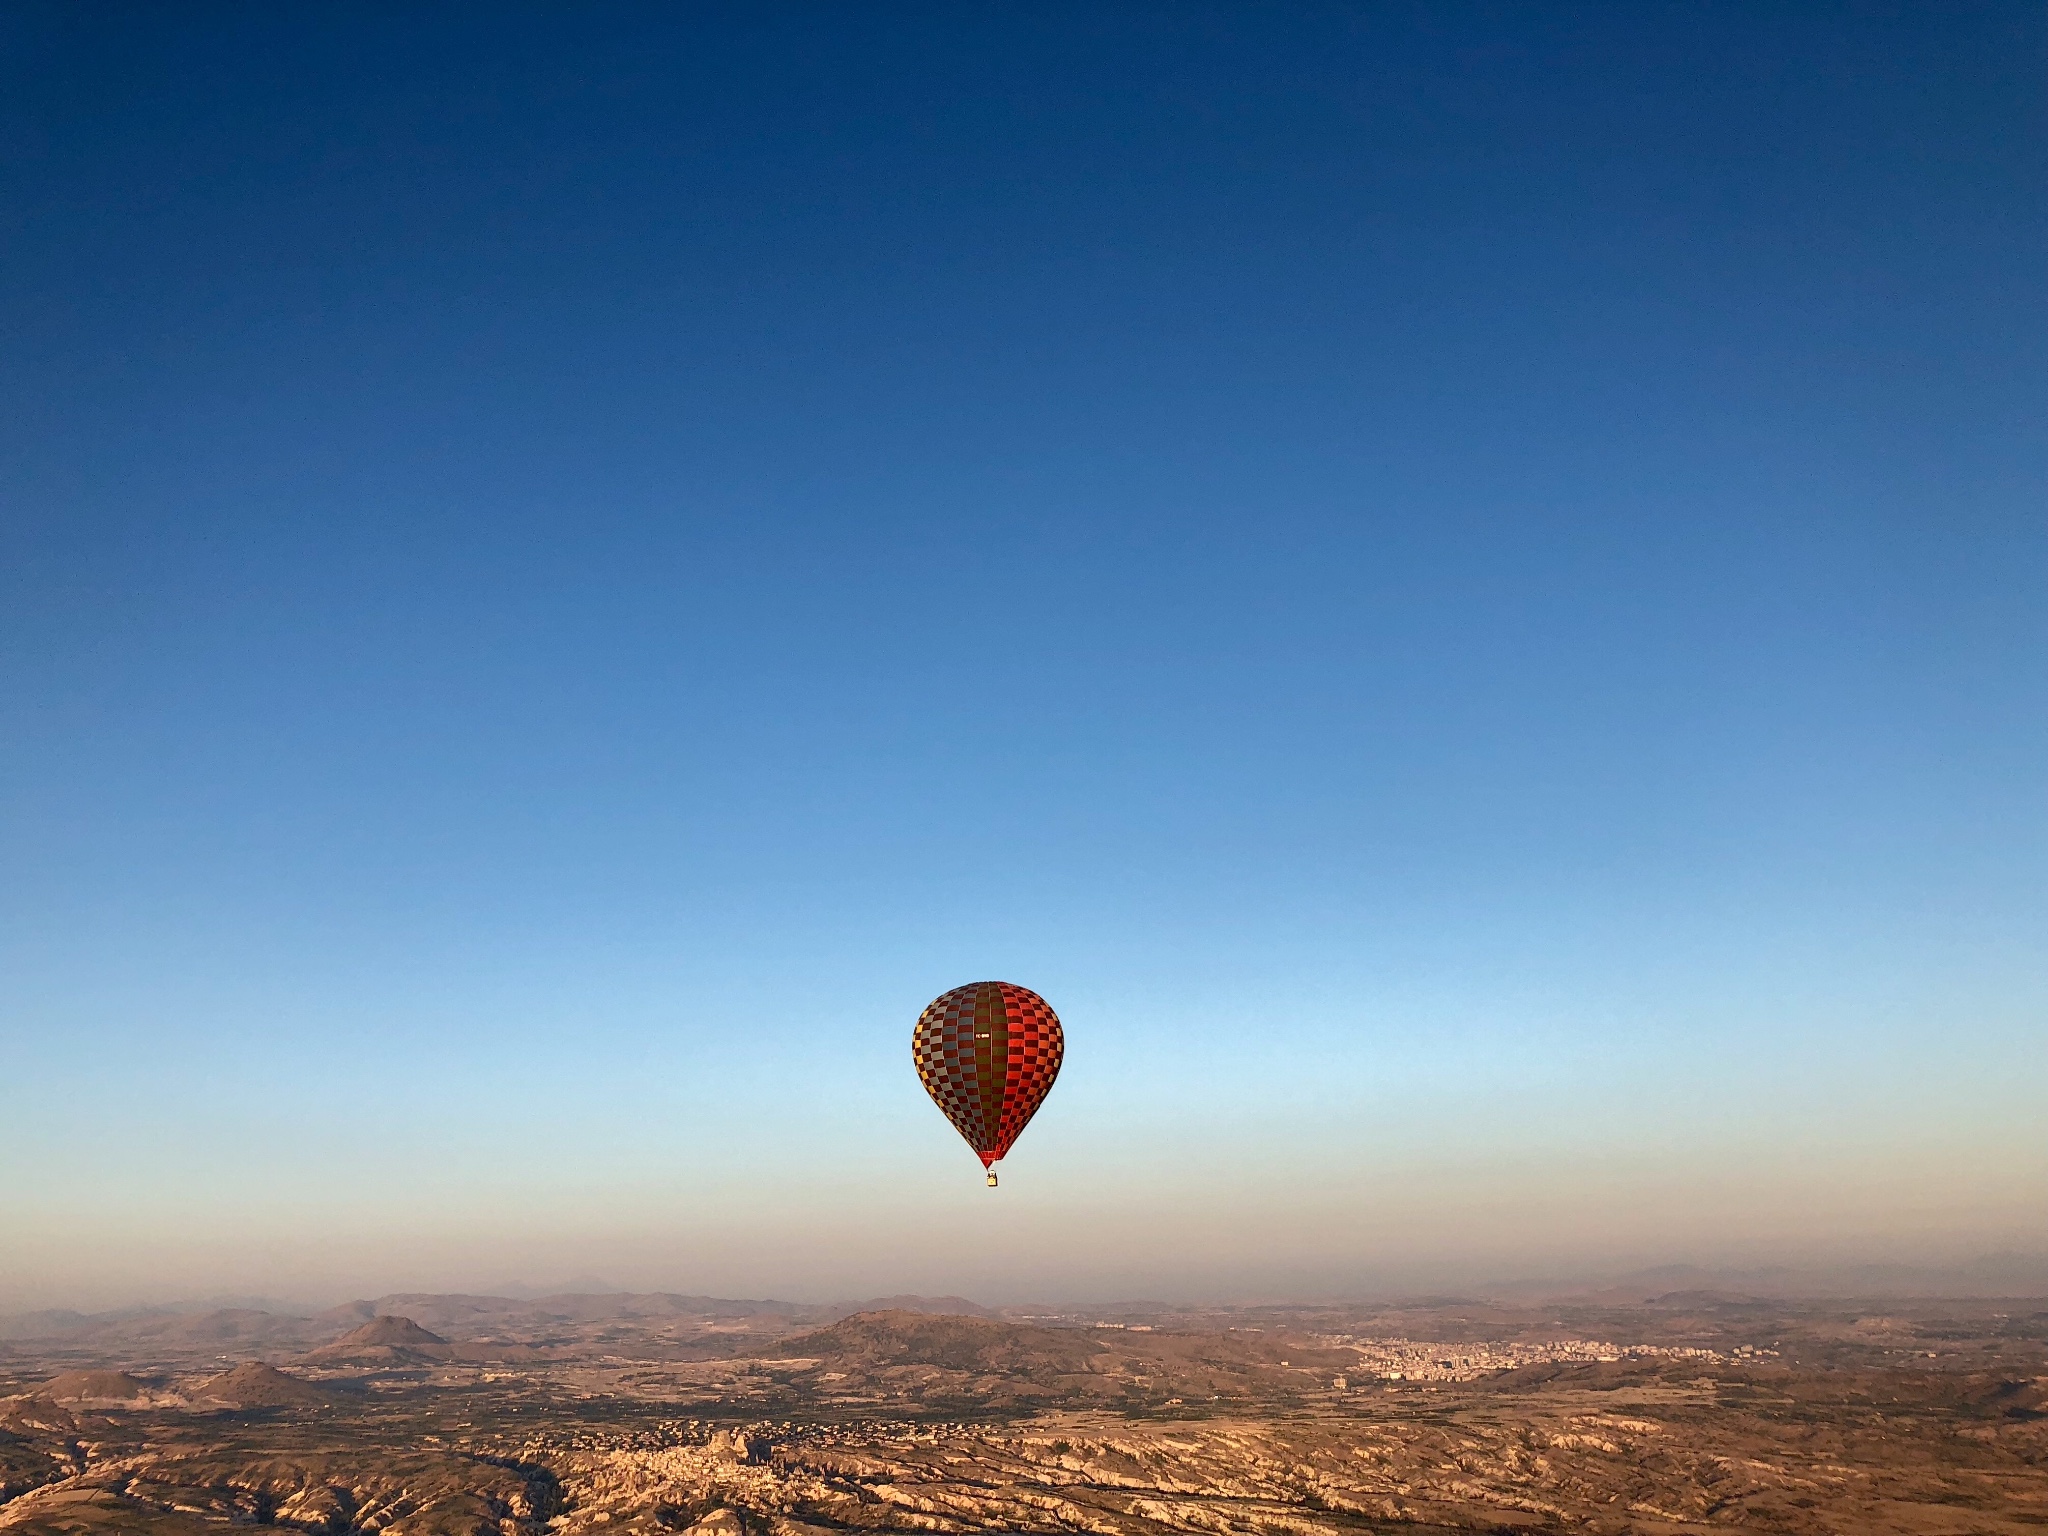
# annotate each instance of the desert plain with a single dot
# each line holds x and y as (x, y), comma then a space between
(494, 1416)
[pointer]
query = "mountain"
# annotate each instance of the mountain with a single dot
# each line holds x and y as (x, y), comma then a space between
(455, 1317)
(465, 1316)
(2016, 1274)
(53, 1323)
(400, 1331)
(96, 1387)
(946, 1305)
(459, 1316)
(226, 1325)
(872, 1340)
(231, 1326)
(385, 1340)
(252, 1384)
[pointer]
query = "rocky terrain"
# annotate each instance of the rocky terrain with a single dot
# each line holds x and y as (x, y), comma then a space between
(1689, 1413)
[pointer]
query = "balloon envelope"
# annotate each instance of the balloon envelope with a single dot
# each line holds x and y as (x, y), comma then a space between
(987, 1053)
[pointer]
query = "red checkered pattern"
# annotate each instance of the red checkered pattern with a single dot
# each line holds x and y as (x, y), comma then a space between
(987, 1053)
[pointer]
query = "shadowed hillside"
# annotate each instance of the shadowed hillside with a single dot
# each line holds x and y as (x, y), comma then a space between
(872, 1340)
(252, 1384)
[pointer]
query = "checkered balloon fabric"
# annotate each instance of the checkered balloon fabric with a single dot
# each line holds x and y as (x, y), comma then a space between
(987, 1054)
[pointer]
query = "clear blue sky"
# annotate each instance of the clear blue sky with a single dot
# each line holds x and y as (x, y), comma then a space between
(1463, 589)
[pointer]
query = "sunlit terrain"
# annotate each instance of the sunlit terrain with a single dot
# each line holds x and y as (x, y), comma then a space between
(1690, 1412)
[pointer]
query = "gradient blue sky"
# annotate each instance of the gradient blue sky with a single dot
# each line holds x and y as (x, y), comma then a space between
(1464, 589)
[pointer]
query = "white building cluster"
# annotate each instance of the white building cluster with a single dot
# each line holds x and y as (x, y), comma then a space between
(1425, 1360)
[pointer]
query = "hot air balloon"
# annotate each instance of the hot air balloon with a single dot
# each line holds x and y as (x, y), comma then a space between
(987, 1054)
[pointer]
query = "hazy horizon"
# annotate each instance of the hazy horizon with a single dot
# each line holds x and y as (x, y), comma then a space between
(2014, 1273)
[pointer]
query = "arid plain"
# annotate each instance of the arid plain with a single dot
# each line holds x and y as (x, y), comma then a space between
(1687, 1412)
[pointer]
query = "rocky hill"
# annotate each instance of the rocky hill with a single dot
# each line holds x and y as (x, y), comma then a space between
(252, 1384)
(384, 1340)
(872, 1340)
(91, 1388)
